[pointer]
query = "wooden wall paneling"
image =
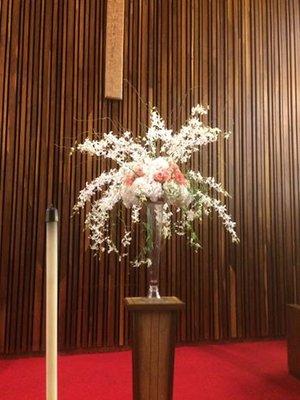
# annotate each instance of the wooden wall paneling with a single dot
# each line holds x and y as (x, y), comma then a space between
(293, 12)
(13, 127)
(244, 62)
(5, 33)
(205, 287)
(289, 250)
(258, 23)
(26, 249)
(229, 166)
(19, 327)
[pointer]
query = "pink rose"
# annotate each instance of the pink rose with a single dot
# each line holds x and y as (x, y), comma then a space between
(139, 171)
(177, 174)
(128, 179)
(162, 176)
(179, 177)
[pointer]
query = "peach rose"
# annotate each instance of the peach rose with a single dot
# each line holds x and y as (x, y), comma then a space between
(139, 171)
(162, 176)
(179, 177)
(129, 179)
(177, 174)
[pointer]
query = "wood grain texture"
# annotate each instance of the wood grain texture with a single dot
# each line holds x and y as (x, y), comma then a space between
(114, 44)
(240, 57)
(153, 343)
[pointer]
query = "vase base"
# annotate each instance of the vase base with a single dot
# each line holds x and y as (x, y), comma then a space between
(153, 292)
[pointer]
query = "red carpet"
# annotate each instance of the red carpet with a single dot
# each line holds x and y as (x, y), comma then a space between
(248, 371)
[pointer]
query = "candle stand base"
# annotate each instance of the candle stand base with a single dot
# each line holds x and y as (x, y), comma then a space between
(154, 323)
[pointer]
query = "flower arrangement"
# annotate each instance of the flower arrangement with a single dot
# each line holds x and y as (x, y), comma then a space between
(149, 170)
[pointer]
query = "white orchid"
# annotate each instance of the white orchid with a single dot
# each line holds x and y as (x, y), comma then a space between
(150, 172)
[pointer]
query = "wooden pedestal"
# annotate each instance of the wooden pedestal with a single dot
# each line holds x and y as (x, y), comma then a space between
(293, 338)
(154, 334)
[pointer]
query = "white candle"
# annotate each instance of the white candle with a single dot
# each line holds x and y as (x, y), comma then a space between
(51, 303)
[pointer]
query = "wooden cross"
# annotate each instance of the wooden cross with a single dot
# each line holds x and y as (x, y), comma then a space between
(114, 49)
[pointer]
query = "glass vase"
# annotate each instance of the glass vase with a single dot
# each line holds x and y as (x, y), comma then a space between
(154, 239)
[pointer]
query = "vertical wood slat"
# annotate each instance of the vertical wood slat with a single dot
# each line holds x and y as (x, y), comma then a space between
(114, 43)
(245, 63)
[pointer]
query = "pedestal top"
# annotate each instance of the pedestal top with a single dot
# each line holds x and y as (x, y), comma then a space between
(148, 304)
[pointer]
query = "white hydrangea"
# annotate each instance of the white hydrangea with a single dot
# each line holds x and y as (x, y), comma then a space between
(146, 187)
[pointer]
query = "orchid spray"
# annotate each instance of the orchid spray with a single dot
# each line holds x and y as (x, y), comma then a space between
(149, 171)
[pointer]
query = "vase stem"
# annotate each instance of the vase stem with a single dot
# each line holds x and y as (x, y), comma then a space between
(154, 218)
